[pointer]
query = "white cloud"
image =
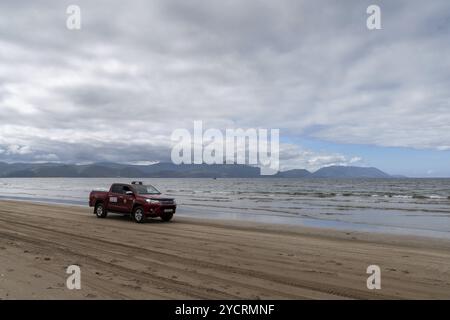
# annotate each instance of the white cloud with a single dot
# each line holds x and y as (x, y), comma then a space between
(293, 156)
(18, 150)
(355, 159)
(47, 157)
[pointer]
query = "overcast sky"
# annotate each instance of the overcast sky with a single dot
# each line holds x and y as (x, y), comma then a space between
(339, 93)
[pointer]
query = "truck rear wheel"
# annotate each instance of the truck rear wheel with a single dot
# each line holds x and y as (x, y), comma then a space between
(138, 215)
(100, 210)
(166, 216)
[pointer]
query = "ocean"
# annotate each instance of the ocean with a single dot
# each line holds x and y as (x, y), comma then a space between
(402, 206)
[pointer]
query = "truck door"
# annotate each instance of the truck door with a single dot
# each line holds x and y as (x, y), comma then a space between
(127, 201)
(115, 197)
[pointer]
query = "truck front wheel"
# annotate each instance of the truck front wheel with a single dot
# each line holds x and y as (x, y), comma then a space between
(138, 215)
(100, 210)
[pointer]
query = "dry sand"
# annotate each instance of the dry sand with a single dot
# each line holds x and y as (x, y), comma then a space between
(193, 258)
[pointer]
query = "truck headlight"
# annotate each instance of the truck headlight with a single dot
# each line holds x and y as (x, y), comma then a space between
(152, 201)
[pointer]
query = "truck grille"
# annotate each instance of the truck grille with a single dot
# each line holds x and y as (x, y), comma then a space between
(167, 202)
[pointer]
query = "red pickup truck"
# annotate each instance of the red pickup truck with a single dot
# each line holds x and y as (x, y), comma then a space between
(136, 199)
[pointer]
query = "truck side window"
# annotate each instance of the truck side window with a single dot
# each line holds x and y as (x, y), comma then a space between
(117, 188)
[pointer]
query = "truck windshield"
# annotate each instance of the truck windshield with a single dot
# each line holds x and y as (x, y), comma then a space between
(146, 189)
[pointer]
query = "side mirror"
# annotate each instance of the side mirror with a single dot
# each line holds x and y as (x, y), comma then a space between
(129, 193)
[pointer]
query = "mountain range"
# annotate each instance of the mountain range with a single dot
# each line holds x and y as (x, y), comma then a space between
(170, 170)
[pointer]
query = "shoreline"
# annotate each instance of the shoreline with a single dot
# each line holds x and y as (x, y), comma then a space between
(264, 219)
(206, 259)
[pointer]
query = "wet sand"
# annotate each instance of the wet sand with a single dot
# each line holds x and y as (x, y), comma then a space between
(194, 259)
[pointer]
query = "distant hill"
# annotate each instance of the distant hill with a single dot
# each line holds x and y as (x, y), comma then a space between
(170, 170)
(398, 176)
(115, 170)
(294, 173)
(349, 172)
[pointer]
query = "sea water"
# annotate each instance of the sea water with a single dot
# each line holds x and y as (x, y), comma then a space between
(407, 206)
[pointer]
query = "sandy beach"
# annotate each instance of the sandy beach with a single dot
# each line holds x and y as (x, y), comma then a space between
(206, 259)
